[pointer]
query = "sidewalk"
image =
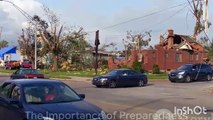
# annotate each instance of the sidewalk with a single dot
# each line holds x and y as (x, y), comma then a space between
(5, 74)
(74, 78)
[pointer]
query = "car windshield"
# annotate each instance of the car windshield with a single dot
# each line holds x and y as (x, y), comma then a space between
(29, 71)
(26, 62)
(113, 72)
(49, 93)
(185, 67)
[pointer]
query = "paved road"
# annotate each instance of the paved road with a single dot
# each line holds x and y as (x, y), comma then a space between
(149, 99)
(144, 101)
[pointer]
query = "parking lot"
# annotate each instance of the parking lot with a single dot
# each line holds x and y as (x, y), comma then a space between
(120, 103)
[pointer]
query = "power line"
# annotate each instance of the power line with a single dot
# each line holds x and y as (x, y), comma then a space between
(158, 23)
(25, 14)
(153, 13)
(168, 18)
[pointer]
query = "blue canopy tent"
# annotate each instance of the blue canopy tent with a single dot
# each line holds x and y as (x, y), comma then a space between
(7, 50)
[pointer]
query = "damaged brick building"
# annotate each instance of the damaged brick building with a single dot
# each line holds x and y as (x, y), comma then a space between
(170, 53)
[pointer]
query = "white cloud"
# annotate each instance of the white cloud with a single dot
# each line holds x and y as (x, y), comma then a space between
(158, 23)
(76, 13)
(31, 7)
(12, 20)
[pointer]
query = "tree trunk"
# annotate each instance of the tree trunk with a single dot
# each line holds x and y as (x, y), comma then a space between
(55, 63)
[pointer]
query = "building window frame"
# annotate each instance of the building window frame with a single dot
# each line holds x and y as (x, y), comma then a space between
(179, 57)
(196, 56)
(167, 55)
(191, 57)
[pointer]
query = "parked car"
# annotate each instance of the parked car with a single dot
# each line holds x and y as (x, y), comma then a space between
(12, 64)
(191, 72)
(26, 73)
(44, 100)
(26, 64)
(121, 77)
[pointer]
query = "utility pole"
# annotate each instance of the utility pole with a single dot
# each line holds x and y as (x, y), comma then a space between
(30, 18)
(126, 48)
(0, 32)
(97, 43)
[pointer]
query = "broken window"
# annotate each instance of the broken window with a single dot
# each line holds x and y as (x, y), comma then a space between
(177, 39)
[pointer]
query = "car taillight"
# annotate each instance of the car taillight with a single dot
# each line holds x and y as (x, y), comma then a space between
(29, 76)
(26, 76)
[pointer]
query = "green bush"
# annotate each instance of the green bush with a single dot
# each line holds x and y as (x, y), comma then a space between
(137, 66)
(124, 67)
(155, 69)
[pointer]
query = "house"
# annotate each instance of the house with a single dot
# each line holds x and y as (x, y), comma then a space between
(170, 53)
(173, 51)
(8, 54)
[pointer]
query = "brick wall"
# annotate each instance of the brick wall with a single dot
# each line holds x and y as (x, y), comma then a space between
(167, 59)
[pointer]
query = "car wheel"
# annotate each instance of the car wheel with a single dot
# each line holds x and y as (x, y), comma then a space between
(172, 81)
(209, 77)
(188, 79)
(98, 86)
(141, 83)
(112, 84)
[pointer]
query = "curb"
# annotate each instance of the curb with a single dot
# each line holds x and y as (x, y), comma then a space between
(78, 79)
(5, 75)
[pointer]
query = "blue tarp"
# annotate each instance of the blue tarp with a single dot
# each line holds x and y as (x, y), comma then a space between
(120, 58)
(7, 50)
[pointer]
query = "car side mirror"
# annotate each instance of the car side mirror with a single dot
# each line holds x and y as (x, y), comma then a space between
(82, 96)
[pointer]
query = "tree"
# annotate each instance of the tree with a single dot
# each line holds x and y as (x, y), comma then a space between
(26, 43)
(136, 41)
(3, 44)
(74, 47)
(56, 37)
(197, 11)
(209, 48)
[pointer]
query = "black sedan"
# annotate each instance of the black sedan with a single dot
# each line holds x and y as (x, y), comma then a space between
(44, 100)
(121, 77)
(26, 73)
(191, 72)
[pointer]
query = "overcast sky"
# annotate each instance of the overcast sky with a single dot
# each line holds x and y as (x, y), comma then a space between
(98, 14)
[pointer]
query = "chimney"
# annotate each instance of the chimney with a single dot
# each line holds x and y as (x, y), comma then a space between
(170, 38)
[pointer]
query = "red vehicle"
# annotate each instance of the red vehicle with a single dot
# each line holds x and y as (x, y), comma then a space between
(12, 65)
(26, 73)
(26, 64)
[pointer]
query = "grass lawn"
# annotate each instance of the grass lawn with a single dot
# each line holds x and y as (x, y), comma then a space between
(157, 76)
(6, 71)
(68, 74)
